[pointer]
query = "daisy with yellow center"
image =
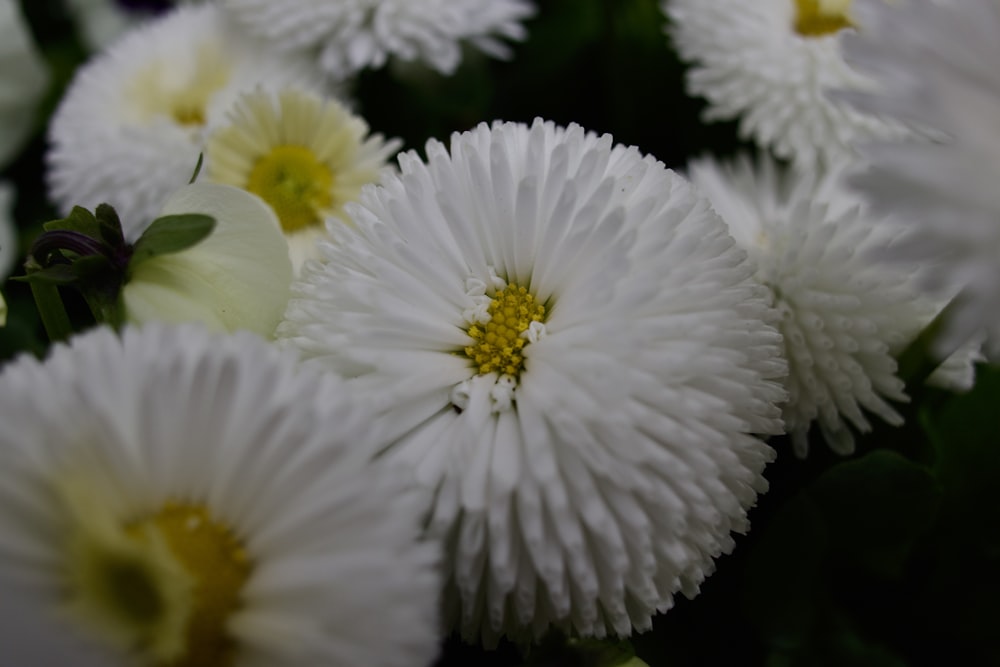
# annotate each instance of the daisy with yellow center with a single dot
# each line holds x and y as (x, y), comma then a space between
(565, 347)
(304, 155)
(179, 499)
(771, 65)
(135, 118)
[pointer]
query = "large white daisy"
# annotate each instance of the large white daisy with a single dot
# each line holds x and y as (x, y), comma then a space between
(304, 155)
(350, 35)
(134, 120)
(570, 353)
(173, 497)
(844, 317)
(24, 78)
(770, 64)
(935, 63)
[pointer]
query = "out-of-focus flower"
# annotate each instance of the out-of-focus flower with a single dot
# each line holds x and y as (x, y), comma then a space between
(844, 318)
(771, 64)
(303, 155)
(134, 120)
(570, 353)
(350, 35)
(174, 497)
(237, 278)
(934, 63)
(24, 78)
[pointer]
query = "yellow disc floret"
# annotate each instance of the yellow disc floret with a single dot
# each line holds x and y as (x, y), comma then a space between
(816, 18)
(499, 344)
(295, 183)
(164, 585)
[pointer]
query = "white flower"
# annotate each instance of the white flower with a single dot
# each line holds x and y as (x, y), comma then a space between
(236, 278)
(935, 62)
(303, 155)
(132, 123)
(770, 63)
(179, 498)
(25, 78)
(568, 348)
(350, 35)
(844, 317)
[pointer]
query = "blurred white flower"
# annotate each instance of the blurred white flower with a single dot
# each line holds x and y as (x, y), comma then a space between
(350, 35)
(304, 155)
(771, 64)
(570, 353)
(935, 63)
(844, 317)
(24, 78)
(135, 118)
(174, 497)
(237, 278)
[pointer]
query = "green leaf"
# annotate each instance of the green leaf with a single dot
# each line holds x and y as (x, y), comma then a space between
(170, 234)
(876, 507)
(79, 220)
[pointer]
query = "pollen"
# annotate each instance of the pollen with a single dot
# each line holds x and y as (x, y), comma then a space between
(164, 585)
(499, 344)
(295, 183)
(818, 18)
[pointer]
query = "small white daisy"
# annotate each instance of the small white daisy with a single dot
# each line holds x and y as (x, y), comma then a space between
(24, 78)
(570, 352)
(350, 35)
(935, 61)
(844, 317)
(303, 155)
(134, 120)
(173, 497)
(771, 63)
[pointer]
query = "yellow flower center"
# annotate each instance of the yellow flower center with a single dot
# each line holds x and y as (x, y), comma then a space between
(165, 585)
(295, 183)
(499, 342)
(816, 18)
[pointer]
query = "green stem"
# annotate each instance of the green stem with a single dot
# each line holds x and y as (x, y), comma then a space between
(52, 311)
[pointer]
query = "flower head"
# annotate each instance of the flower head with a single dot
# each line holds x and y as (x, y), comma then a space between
(844, 317)
(25, 78)
(771, 63)
(355, 34)
(303, 155)
(934, 63)
(134, 120)
(237, 278)
(567, 349)
(175, 497)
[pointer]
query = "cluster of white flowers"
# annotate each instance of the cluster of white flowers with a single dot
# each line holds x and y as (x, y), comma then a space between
(525, 381)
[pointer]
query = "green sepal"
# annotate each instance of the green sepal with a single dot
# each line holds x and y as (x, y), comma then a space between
(57, 274)
(170, 234)
(109, 225)
(79, 220)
